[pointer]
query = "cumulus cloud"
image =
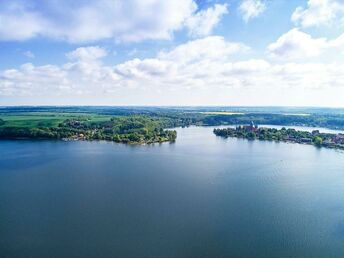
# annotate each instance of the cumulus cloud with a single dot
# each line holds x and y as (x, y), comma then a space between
(319, 12)
(203, 66)
(88, 21)
(250, 9)
(296, 44)
(87, 53)
(203, 22)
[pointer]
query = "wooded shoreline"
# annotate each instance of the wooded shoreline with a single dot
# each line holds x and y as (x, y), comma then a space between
(252, 132)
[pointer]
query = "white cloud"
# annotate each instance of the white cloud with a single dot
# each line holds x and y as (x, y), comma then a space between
(296, 44)
(88, 21)
(201, 70)
(87, 53)
(203, 22)
(29, 54)
(319, 12)
(250, 9)
(209, 48)
(17, 22)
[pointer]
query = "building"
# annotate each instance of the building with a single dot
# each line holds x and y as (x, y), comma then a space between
(328, 143)
(339, 139)
(306, 140)
(251, 128)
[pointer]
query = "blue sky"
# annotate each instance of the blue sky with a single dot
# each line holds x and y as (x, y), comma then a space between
(172, 52)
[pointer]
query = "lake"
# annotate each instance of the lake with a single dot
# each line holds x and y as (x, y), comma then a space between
(202, 196)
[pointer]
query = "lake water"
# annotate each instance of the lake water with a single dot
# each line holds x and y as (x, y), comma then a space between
(202, 196)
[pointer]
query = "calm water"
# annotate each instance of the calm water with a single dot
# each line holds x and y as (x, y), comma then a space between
(202, 196)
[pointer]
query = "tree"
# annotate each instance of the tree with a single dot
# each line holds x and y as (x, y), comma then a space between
(251, 135)
(134, 137)
(318, 141)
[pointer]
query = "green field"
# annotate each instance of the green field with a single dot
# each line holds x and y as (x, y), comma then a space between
(49, 119)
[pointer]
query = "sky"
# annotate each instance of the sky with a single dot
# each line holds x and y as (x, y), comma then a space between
(172, 52)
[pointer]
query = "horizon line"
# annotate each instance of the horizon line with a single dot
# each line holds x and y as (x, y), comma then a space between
(177, 106)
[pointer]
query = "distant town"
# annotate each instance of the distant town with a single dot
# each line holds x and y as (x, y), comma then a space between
(252, 131)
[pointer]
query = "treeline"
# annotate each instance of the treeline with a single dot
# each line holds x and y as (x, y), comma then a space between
(36, 133)
(263, 133)
(288, 135)
(329, 121)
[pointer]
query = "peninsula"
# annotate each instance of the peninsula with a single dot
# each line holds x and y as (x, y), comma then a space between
(136, 129)
(252, 132)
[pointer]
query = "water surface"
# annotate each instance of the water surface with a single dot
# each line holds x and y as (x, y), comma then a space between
(202, 196)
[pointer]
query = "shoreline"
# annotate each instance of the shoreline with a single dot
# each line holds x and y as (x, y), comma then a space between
(80, 140)
(314, 138)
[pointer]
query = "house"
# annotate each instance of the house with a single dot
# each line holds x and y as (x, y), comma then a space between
(306, 140)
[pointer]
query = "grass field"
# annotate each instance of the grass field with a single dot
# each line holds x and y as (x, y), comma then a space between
(41, 119)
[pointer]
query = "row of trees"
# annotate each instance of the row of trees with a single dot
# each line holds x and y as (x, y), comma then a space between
(323, 120)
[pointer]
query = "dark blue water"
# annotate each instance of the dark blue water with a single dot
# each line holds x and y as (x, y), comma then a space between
(202, 196)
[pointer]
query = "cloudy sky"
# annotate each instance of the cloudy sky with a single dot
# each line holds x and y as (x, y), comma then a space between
(172, 52)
